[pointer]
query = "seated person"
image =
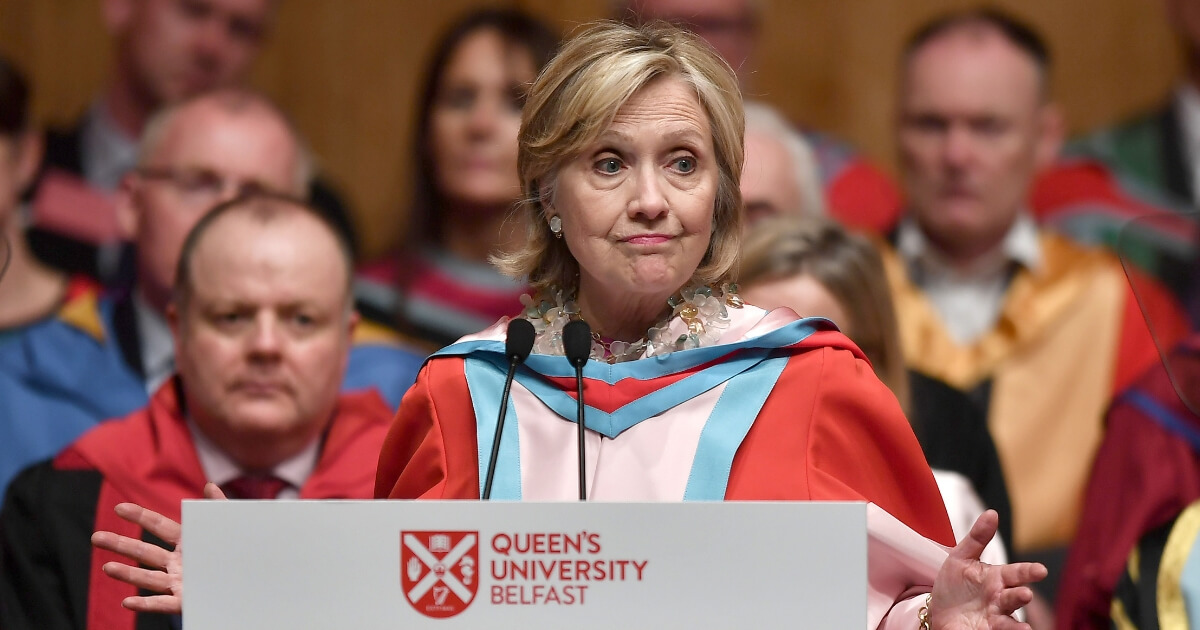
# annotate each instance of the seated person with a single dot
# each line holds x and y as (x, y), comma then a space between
(104, 354)
(1146, 472)
(1159, 584)
(1040, 331)
(780, 176)
(164, 52)
(441, 286)
(262, 320)
(29, 290)
(817, 269)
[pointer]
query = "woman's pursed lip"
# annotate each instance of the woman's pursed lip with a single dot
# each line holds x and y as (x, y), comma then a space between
(646, 239)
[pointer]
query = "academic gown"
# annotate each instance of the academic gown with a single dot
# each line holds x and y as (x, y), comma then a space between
(780, 409)
(50, 576)
(64, 375)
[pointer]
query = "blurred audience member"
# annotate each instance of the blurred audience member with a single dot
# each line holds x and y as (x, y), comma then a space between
(1156, 159)
(814, 267)
(1146, 472)
(29, 291)
(1158, 587)
(164, 51)
(857, 193)
(1040, 331)
(442, 286)
(780, 174)
(262, 320)
(104, 354)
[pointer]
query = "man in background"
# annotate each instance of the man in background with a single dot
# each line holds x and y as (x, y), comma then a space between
(780, 174)
(106, 353)
(262, 319)
(165, 51)
(1042, 332)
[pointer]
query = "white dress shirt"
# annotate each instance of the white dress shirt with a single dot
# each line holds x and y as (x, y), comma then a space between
(220, 468)
(107, 152)
(155, 342)
(1188, 99)
(968, 300)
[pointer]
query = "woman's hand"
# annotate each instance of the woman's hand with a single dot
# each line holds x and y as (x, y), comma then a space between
(167, 576)
(969, 594)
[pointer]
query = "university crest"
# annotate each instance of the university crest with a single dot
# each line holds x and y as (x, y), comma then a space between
(439, 571)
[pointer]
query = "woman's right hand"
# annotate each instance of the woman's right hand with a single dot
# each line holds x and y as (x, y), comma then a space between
(166, 578)
(969, 594)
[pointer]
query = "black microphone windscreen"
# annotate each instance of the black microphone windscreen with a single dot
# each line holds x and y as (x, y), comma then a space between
(519, 342)
(577, 342)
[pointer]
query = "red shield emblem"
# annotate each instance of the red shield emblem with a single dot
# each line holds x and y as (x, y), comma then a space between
(439, 571)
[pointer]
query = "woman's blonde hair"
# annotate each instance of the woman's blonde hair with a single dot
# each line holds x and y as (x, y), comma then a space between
(575, 99)
(846, 264)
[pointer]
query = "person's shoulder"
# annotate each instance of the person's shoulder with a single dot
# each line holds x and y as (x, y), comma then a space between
(73, 352)
(1131, 138)
(1064, 256)
(62, 344)
(52, 490)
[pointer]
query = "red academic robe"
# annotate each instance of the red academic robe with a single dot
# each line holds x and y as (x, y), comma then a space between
(52, 577)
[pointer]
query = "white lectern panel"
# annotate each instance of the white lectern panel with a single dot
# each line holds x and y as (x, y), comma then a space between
(468, 564)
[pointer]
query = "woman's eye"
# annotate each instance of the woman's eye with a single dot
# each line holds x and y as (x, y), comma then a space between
(609, 166)
(685, 164)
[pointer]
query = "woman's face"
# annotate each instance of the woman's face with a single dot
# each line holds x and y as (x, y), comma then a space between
(475, 119)
(801, 293)
(637, 205)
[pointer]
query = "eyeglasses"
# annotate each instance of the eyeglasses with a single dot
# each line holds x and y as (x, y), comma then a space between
(203, 185)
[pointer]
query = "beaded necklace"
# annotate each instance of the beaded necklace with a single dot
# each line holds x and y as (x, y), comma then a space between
(698, 315)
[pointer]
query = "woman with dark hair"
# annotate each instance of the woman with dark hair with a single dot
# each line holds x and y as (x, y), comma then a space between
(441, 286)
(29, 291)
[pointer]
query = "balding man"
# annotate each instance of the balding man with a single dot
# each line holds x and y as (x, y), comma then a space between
(104, 354)
(780, 176)
(263, 320)
(1040, 331)
(165, 52)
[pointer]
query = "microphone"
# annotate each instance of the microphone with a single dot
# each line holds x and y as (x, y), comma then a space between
(577, 343)
(517, 346)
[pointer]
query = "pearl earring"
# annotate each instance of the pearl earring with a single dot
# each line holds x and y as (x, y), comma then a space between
(556, 226)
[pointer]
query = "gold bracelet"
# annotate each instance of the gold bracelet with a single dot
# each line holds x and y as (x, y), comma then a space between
(923, 614)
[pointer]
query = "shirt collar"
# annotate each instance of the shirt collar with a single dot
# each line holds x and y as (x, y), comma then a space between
(108, 152)
(1187, 98)
(220, 468)
(1020, 245)
(155, 343)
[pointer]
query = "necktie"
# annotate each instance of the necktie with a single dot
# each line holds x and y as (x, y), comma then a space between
(254, 487)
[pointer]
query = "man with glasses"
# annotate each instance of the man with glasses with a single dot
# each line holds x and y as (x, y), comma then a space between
(165, 51)
(103, 354)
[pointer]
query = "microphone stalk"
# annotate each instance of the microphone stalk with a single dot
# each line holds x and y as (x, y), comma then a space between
(577, 344)
(517, 346)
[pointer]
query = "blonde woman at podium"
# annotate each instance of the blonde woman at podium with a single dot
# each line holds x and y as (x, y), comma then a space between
(630, 155)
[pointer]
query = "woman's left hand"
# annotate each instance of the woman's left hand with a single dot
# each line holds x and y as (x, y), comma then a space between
(969, 594)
